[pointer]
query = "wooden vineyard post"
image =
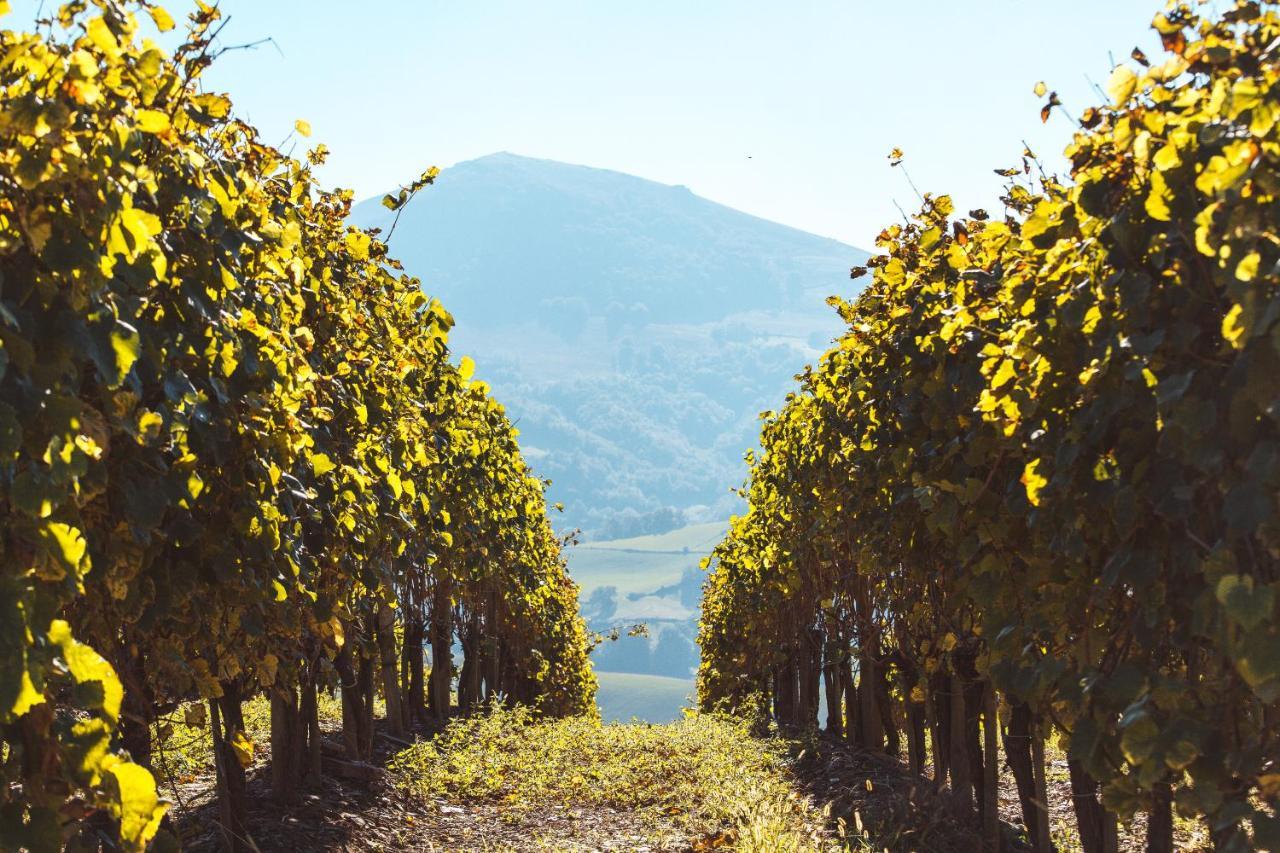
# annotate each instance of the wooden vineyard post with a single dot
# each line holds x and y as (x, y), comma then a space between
(1044, 843)
(961, 784)
(990, 771)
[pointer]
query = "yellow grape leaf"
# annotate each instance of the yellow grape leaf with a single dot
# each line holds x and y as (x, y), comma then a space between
(28, 697)
(152, 121)
(1122, 84)
(140, 807)
(126, 345)
(1004, 374)
(1157, 203)
(321, 464)
(1247, 269)
(100, 34)
(215, 105)
(358, 244)
(243, 748)
(149, 426)
(303, 127)
(1091, 319)
(66, 545)
(89, 447)
(1009, 408)
(1167, 157)
(91, 754)
(1041, 89)
(162, 19)
(1033, 482)
(195, 486)
(86, 665)
(988, 402)
(1227, 169)
(141, 226)
(1232, 328)
(466, 368)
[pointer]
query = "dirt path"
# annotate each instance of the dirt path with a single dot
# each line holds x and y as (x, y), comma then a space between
(376, 814)
(814, 794)
(360, 817)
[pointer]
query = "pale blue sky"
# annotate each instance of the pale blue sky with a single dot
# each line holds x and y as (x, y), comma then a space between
(786, 110)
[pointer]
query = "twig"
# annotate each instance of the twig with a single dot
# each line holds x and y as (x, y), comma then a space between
(906, 219)
(252, 45)
(1101, 94)
(910, 183)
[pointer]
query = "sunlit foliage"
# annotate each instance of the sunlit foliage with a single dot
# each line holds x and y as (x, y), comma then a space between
(235, 454)
(1046, 452)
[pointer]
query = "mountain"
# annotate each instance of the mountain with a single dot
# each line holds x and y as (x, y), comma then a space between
(632, 329)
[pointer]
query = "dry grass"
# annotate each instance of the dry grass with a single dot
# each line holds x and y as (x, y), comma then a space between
(702, 782)
(506, 781)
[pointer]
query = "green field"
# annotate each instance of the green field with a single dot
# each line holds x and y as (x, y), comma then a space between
(650, 698)
(641, 566)
(644, 563)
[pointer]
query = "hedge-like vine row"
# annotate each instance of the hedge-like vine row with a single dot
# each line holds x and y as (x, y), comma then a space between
(234, 454)
(1036, 479)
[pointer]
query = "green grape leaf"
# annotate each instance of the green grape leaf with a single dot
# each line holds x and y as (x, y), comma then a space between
(10, 432)
(1247, 605)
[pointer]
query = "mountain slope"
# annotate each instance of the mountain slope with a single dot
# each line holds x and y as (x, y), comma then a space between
(633, 329)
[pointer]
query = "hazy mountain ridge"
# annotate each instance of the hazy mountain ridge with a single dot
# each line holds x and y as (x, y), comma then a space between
(633, 329)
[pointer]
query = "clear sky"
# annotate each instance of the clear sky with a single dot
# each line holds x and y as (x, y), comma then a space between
(784, 109)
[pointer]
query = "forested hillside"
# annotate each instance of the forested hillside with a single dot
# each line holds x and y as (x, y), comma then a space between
(633, 329)
(1031, 493)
